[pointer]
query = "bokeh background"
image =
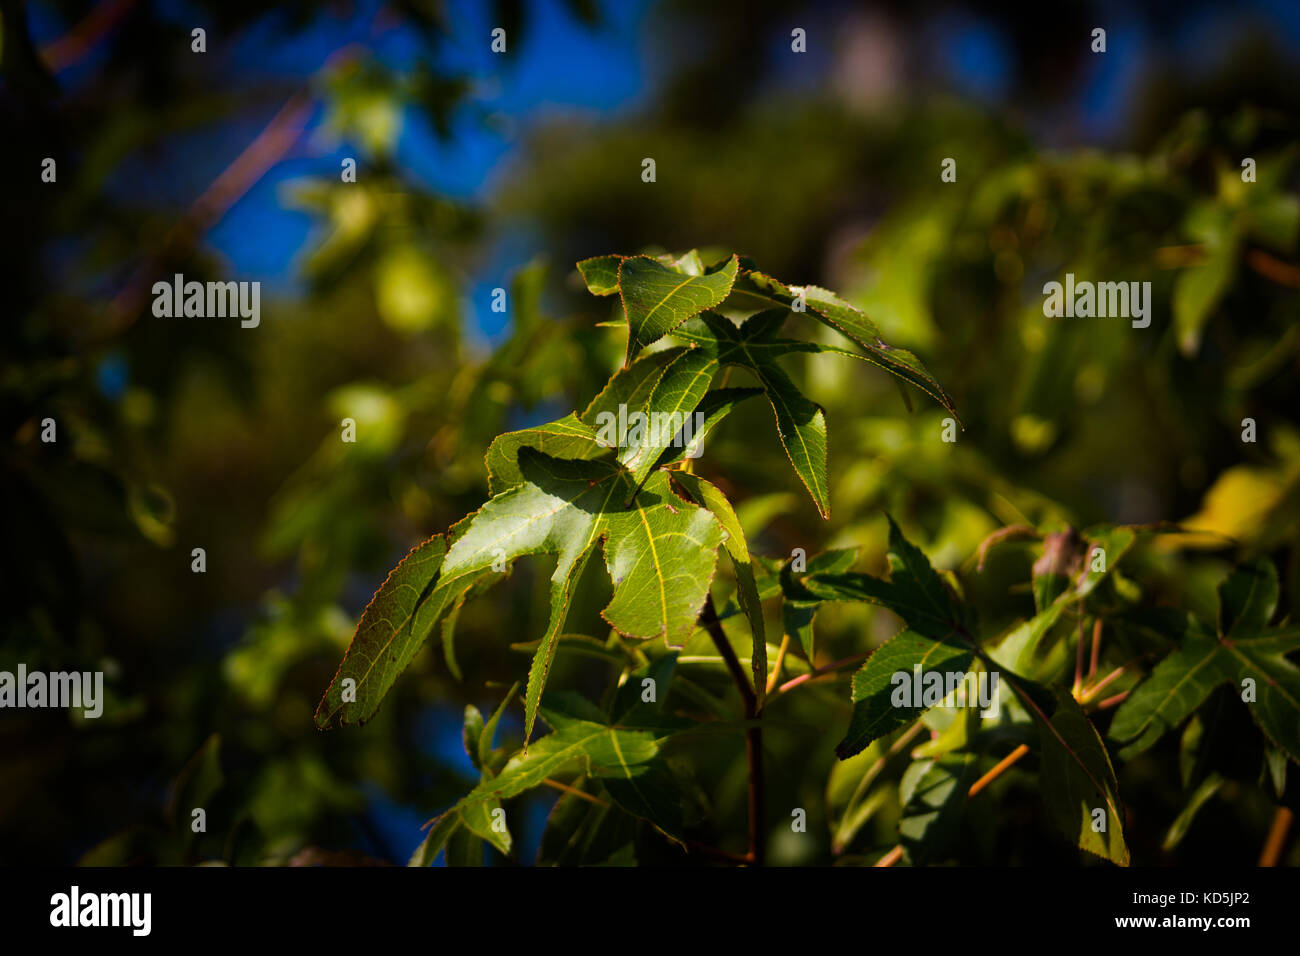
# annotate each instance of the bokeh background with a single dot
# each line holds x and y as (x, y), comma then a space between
(479, 171)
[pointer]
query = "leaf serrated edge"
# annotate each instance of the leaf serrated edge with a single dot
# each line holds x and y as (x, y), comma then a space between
(328, 719)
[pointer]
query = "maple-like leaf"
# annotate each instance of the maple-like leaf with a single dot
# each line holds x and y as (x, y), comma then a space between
(625, 760)
(1245, 649)
(660, 551)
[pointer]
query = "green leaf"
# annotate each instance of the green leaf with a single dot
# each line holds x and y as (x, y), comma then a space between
(851, 799)
(712, 498)
(569, 438)
(799, 607)
(485, 820)
(800, 423)
(1275, 763)
(1114, 543)
(436, 840)
(689, 263)
(1247, 599)
(452, 617)
(657, 299)
(1177, 686)
(601, 274)
(1018, 649)
(1199, 288)
(883, 702)
(464, 848)
(632, 712)
(581, 833)
(647, 407)
(1244, 649)
(395, 623)
(472, 733)
(449, 639)
(1183, 822)
(797, 620)
(756, 289)
(1276, 709)
(914, 591)
(716, 406)
(489, 731)
(660, 551)
(1077, 780)
(932, 815)
(627, 763)
(196, 784)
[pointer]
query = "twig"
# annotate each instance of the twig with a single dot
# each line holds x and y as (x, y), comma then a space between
(1277, 834)
(780, 660)
(753, 734)
(1014, 532)
(1112, 701)
(892, 857)
(1179, 257)
(1283, 273)
(1096, 648)
(997, 771)
(1078, 662)
(1091, 692)
(822, 671)
(575, 792)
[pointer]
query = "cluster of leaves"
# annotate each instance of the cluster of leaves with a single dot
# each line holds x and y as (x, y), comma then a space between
(560, 488)
(563, 487)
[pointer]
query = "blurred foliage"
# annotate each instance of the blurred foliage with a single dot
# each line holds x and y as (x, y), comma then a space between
(173, 435)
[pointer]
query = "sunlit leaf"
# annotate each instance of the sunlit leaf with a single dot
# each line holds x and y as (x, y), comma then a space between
(657, 299)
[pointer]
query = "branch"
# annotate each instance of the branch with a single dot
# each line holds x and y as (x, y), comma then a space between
(753, 735)
(235, 180)
(77, 42)
(709, 618)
